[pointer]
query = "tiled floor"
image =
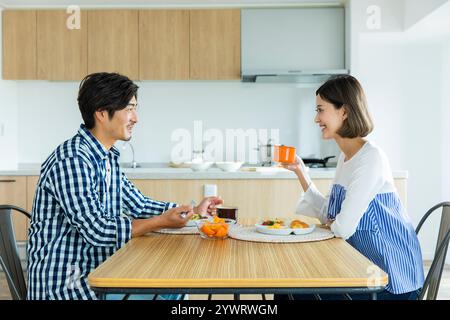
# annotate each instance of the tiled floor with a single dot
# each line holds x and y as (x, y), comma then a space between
(444, 291)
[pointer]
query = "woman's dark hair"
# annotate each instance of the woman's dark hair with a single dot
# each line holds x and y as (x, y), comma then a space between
(104, 91)
(344, 91)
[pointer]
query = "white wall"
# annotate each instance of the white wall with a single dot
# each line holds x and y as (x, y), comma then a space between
(49, 114)
(404, 94)
(407, 88)
(445, 120)
(8, 120)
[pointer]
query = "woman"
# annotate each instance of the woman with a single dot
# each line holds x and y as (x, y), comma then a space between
(363, 206)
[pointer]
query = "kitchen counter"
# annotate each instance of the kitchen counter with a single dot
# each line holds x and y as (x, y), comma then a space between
(163, 171)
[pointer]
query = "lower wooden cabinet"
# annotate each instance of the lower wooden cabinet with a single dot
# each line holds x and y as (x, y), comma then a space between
(254, 198)
(13, 192)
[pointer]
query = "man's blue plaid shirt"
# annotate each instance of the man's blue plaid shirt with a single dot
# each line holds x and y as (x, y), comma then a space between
(77, 222)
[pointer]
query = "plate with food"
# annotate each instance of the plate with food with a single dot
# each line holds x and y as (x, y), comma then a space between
(195, 217)
(284, 227)
(300, 227)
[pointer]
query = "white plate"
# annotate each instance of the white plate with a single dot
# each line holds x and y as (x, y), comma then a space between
(191, 223)
(265, 229)
(304, 230)
(284, 231)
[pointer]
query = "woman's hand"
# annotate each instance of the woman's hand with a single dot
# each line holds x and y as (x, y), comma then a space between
(299, 168)
(298, 165)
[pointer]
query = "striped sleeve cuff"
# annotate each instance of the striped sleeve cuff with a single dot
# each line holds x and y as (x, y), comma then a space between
(123, 230)
(170, 205)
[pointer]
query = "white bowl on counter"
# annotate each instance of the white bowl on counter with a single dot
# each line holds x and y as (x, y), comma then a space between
(200, 166)
(229, 166)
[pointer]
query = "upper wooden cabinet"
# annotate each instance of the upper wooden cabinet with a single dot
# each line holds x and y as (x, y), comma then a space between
(61, 52)
(141, 44)
(164, 44)
(19, 44)
(113, 42)
(215, 39)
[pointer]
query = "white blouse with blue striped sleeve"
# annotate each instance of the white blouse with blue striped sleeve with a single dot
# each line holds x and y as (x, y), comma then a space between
(362, 177)
(368, 214)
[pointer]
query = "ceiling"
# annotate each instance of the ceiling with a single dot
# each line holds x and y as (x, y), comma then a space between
(159, 3)
(436, 24)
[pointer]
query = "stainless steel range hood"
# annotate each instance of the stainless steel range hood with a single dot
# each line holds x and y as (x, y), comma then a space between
(303, 45)
(297, 76)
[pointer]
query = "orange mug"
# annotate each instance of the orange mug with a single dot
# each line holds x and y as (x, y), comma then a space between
(284, 154)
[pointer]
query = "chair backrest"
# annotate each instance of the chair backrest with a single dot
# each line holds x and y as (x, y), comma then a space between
(9, 255)
(433, 279)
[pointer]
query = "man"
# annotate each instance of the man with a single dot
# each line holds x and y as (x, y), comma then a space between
(85, 208)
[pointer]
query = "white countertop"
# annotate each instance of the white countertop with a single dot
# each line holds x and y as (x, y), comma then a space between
(163, 171)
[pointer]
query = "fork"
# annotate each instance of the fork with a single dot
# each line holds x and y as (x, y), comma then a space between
(184, 214)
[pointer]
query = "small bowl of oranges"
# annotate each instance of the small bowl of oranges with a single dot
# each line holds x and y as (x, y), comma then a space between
(214, 227)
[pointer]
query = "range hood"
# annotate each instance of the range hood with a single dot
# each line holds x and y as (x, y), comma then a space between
(297, 76)
(302, 45)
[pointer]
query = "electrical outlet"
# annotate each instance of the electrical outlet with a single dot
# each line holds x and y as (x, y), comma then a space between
(210, 190)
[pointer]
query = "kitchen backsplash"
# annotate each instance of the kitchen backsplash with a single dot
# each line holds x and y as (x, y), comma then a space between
(48, 114)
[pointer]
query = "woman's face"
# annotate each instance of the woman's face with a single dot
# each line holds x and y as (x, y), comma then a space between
(329, 118)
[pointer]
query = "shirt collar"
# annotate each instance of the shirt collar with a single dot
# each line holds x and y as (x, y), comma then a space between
(99, 150)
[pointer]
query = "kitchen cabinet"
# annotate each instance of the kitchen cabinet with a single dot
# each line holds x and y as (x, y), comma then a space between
(13, 192)
(19, 44)
(61, 52)
(113, 37)
(256, 198)
(141, 44)
(215, 44)
(164, 44)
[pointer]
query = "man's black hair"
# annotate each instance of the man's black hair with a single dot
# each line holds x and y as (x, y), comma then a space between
(104, 91)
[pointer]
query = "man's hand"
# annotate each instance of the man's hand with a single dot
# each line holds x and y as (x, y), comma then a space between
(169, 219)
(172, 218)
(207, 205)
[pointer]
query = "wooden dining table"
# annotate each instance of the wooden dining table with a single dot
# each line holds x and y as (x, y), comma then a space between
(188, 264)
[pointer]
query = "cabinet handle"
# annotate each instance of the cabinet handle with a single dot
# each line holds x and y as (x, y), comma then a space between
(7, 181)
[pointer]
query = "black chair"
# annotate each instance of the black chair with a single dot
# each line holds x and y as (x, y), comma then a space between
(433, 279)
(9, 255)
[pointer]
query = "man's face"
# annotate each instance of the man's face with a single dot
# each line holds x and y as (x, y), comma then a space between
(121, 125)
